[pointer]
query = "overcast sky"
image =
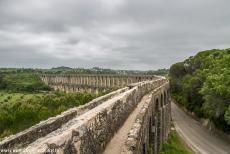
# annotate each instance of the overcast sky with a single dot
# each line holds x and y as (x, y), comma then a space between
(118, 34)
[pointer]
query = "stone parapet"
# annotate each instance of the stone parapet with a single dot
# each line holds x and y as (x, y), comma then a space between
(87, 129)
(152, 124)
(41, 129)
(91, 131)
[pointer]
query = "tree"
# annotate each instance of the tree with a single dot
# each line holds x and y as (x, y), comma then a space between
(227, 115)
(2, 83)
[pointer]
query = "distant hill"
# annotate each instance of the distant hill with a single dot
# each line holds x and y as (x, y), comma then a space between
(61, 68)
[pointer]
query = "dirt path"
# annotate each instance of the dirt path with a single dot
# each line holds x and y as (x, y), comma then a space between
(116, 143)
(197, 137)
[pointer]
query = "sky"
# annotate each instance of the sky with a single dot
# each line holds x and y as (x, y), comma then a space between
(117, 34)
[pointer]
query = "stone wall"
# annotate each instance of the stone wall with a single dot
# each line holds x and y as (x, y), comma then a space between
(152, 125)
(92, 83)
(87, 129)
(90, 132)
(43, 128)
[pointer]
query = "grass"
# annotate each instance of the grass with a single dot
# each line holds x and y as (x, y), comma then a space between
(18, 96)
(175, 145)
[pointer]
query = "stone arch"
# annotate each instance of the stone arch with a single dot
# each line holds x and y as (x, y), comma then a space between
(143, 148)
(158, 126)
(165, 115)
(162, 101)
(162, 118)
(168, 94)
(157, 105)
(150, 123)
(165, 97)
(152, 143)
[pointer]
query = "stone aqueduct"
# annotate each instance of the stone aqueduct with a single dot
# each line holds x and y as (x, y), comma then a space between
(92, 83)
(89, 129)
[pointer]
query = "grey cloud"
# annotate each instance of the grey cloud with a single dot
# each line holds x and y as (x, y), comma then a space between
(121, 34)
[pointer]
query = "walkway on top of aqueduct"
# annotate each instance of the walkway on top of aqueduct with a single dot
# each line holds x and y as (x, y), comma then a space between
(134, 119)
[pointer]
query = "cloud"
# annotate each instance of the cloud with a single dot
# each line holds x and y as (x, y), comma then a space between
(121, 34)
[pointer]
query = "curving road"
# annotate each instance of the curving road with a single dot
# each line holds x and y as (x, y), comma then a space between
(196, 136)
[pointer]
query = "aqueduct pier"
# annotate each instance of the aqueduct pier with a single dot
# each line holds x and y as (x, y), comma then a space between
(133, 119)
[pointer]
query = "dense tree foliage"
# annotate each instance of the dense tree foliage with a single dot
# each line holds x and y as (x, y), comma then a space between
(97, 70)
(2, 83)
(21, 81)
(24, 80)
(94, 70)
(202, 84)
(19, 111)
(162, 72)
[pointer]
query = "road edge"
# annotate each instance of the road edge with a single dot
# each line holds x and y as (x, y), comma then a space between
(214, 129)
(185, 139)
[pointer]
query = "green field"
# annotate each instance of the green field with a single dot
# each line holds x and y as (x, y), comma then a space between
(175, 145)
(20, 110)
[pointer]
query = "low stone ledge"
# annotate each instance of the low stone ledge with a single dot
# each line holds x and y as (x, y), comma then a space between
(81, 88)
(136, 135)
(90, 132)
(80, 85)
(93, 129)
(133, 142)
(41, 129)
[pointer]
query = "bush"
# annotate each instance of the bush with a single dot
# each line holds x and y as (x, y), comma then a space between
(175, 145)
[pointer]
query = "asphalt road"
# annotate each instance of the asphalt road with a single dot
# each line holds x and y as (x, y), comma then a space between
(196, 136)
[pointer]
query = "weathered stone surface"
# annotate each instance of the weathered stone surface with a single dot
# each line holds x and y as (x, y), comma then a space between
(44, 127)
(87, 129)
(152, 124)
(97, 126)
